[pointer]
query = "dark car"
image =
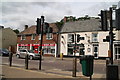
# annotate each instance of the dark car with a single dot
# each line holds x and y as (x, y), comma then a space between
(4, 52)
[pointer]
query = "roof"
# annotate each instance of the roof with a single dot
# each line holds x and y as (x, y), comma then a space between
(32, 29)
(81, 26)
(7, 30)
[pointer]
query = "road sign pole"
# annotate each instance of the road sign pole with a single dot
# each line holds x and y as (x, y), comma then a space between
(74, 60)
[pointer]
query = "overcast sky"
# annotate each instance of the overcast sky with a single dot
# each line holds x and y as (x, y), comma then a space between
(17, 14)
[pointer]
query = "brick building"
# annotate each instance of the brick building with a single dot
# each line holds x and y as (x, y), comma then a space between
(28, 39)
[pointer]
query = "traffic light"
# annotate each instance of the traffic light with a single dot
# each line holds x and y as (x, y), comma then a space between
(38, 26)
(113, 35)
(72, 38)
(104, 24)
(49, 30)
(45, 27)
(78, 37)
(107, 39)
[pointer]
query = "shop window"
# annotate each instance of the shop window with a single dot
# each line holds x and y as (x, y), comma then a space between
(49, 36)
(22, 47)
(23, 37)
(33, 37)
(82, 51)
(70, 51)
(117, 52)
(52, 50)
(48, 50)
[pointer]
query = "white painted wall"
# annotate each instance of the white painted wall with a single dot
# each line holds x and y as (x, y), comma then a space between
(63, 44)
(103, 46)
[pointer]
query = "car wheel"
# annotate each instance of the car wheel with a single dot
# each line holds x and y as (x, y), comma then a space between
(31, 57)
(18, 56)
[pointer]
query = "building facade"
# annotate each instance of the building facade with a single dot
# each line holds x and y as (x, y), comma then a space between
(91, 39)
(28, 39)
(7, 38)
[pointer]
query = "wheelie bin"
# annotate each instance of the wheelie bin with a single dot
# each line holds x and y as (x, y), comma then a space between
(87, 62)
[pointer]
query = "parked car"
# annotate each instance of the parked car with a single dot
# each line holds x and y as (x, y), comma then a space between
(31, 54)
(4, 52)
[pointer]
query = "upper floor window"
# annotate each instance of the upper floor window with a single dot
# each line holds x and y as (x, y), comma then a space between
(33, 37)
(94, 37)
(23, 37)
(70, 37)
(49, 36)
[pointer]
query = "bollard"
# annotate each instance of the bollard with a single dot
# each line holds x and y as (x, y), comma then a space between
(26, 61)
(61, 56)
(74, 67)
(10, 59)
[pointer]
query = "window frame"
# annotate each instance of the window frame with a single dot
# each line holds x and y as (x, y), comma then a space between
(94, 37)
(23, 37)
(49, 36)
(33, 37)
(39, 37)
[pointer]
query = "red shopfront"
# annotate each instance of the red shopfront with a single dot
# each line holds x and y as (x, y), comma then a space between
(47, 48)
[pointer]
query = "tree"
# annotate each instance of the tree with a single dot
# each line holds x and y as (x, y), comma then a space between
(16, 31)
(59, 24)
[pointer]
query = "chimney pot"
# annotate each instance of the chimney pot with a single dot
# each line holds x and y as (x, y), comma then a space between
(65, 19)
(26, 26)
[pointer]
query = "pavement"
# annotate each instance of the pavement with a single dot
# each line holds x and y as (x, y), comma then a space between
(17, 72)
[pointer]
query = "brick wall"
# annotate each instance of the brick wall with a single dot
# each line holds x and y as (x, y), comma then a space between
(29, 41)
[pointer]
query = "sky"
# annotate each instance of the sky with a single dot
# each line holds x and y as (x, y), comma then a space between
(16, 14)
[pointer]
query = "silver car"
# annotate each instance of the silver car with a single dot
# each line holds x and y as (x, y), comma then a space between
(31, 54)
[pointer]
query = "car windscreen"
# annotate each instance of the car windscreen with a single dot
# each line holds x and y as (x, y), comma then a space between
(30, 51)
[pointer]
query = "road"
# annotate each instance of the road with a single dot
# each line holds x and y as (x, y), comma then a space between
(50, 63)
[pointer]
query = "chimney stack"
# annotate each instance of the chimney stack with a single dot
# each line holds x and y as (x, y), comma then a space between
(65, 19)
(26, 26)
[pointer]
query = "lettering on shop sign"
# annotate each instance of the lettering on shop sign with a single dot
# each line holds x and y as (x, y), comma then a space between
(36, 44)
